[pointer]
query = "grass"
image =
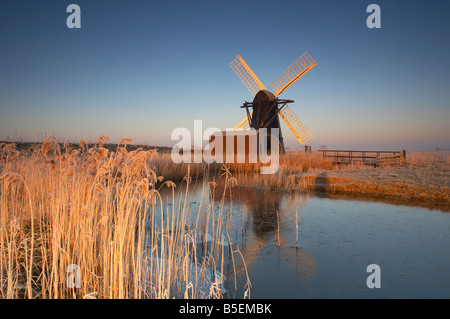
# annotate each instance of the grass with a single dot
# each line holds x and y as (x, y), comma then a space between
(101, 210)
(423, 178)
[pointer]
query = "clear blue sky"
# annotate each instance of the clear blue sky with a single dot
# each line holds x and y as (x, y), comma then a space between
(139, 69)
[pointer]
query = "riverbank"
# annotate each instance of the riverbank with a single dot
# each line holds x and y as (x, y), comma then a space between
(411, 184)
(424, 178)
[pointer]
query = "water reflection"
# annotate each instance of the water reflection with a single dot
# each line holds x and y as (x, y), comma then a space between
(269, 214)
(262, 206)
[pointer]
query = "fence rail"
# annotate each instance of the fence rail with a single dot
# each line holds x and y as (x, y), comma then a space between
(375, 158)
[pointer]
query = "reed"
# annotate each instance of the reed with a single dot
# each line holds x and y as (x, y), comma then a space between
(102, 211)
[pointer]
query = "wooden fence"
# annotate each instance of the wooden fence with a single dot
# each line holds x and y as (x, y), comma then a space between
(375, 158)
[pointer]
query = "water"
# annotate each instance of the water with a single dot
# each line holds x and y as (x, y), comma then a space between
(337, 240)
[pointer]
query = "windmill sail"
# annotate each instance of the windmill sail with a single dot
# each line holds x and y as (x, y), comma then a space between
(295, 71)
(243, 71)
(300, 131)
(244, 124)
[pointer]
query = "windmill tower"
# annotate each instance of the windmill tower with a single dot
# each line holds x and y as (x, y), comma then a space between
(266, 106)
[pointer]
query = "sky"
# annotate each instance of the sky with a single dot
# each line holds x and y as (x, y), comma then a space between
(140, 69)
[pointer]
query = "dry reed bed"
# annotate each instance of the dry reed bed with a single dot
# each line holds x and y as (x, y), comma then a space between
(424, 177)
(100, 210)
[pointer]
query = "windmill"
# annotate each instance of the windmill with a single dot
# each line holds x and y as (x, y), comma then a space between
(266, 106)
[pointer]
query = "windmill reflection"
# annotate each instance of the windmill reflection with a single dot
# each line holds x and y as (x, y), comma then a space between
(270, 215)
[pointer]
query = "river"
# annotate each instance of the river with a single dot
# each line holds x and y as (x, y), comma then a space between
(306, 245)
